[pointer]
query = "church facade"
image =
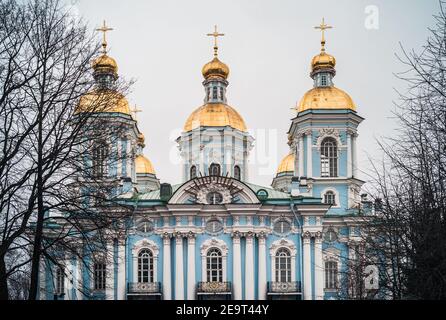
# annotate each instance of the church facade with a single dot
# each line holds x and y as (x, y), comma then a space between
(215, 234)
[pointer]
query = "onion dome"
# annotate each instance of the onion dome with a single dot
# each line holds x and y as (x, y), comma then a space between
(215, 115)
(105, 65)
(103, 100)
(144, 166)
(324, 95)
(215, 68)
(287, 165)
(328, 98)
(323, 61)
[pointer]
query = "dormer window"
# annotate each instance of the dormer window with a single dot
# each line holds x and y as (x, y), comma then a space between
(324, 80)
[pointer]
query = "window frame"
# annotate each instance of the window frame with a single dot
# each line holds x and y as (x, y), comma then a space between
(60, 281)
(237, 173)
(331, 268)
(99, 159)
(215, 170)
(146, 266)
(99, 276)
(214, 265)
(283, 269)
(329, 158)
(193, 172)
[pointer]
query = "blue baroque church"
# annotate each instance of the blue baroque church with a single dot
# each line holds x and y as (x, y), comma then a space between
(215, 234)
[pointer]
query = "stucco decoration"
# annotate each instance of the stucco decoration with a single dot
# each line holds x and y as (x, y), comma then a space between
(328, 133)
(200, 187)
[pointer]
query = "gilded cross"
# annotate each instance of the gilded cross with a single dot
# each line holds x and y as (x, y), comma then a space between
(135, 112)
(104, 29)
(216, 34)
(323, 26)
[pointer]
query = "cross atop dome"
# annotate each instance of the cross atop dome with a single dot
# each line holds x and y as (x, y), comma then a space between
(216, 34)
(104, 29)
(322, 27)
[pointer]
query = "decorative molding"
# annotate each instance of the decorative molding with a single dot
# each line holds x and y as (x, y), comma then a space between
(214, 243)
(145, 244)
(283, 243)
(328, 133)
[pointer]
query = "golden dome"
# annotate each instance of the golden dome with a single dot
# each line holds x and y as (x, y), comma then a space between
(287, 164)
(143, 165)
(105, 64)
(330, 98)
(323, 61)
(107, 101)
(215, 68)
(215, 115)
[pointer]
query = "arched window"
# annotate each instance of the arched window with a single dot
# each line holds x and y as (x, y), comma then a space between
(99, 275)
(60, 281)
(331, 275)
(330, 198)
(237, 173)
(214, 265)
(99, 159)
(283, 265)
(215, 170)
(193, 172)
(145, 266)
(329, 158)
(222, 94)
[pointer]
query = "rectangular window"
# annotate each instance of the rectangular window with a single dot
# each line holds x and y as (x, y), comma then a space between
(215, 93)
(99, 274)
(324, 80)
(331, 275)
(60, 281)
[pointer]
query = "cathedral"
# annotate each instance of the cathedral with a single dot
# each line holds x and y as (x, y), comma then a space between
(214, 233)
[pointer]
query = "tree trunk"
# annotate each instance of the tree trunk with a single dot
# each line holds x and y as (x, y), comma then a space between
(40, 211)
(4, 294)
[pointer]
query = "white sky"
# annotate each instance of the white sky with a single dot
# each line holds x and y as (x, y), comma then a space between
(268, 47)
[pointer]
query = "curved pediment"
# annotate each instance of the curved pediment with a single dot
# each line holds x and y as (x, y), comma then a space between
(214, 190)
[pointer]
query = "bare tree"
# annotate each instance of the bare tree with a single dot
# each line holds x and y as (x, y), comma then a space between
(407, 237)
(46, 139)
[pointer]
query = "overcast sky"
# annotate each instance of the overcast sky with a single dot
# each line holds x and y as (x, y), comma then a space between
(268, 46)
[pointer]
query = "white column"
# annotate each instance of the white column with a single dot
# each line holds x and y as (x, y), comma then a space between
(249, 271)
(355, 156)
(121, 290)
(237, 267)
(129, 158)
(69, 277)
(167, 274)
(307, 267)
(262, 267)
(349, 156)
(309, 154)
(179, 276)
(110, 279)
(191, 267)
(42, 280)
(301, 156)
(119, 159)
(319, 268)
(79, 283)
